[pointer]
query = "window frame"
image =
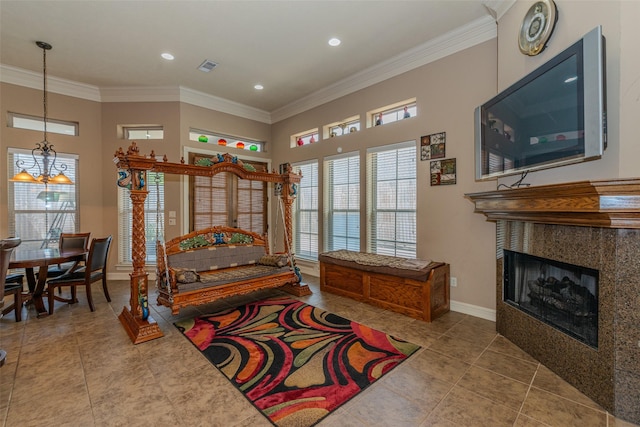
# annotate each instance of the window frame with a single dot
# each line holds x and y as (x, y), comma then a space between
(392, 113)
(154, 218)
(353, 189)
(404, 192)
(36, 123)
(308, 184)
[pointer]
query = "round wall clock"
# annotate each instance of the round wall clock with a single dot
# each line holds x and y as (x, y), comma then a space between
(537, 27)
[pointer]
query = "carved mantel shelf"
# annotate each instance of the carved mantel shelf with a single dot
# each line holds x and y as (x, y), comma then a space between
(611, 203)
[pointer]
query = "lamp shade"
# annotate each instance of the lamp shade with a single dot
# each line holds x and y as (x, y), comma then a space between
(61, 178)
(24, 176)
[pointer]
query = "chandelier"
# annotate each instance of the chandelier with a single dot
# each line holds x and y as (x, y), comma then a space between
(44, 156)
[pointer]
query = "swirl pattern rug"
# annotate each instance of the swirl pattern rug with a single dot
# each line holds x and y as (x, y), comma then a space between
(294, 362)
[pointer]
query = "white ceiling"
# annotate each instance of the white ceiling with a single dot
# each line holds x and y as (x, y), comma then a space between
(279, 44)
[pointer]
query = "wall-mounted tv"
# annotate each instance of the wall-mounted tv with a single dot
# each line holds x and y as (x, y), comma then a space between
(554, 116)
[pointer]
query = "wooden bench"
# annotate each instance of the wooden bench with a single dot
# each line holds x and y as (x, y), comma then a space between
(416, 288)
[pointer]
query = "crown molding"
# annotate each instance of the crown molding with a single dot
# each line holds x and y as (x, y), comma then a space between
(498, 8)
(474, 33)
(223, 105)
(33, 80)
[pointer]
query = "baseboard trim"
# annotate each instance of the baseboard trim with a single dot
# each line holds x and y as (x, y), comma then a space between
(473, 310)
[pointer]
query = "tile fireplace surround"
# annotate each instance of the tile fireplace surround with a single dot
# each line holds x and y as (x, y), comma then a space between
(594, 224)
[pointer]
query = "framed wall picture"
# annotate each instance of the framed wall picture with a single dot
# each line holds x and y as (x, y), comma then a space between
(443, 172)
(433, 146)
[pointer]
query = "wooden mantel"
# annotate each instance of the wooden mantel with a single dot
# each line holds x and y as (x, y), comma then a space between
(613, 203)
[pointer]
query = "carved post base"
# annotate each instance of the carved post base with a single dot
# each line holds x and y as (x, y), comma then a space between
(139, 330)
(297, 289)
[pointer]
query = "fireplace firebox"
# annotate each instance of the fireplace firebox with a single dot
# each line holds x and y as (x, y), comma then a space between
(561, 295)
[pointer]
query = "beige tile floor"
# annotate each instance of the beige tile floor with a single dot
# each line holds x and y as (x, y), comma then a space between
(78, 368)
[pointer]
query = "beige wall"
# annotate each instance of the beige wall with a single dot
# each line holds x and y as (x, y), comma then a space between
(86, 145)
(447, 92)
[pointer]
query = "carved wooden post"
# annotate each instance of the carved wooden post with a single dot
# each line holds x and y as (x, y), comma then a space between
(287, 201)
(139, 277)
(136, 320)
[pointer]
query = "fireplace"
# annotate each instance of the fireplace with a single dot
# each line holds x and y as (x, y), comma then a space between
(559, 294)
(588, 231)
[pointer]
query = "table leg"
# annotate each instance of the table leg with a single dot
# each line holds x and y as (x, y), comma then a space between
(39, 290)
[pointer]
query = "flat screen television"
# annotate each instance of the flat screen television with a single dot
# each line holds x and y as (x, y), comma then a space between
(554, 116)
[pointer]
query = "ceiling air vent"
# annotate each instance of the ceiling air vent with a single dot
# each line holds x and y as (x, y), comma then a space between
(207, 66)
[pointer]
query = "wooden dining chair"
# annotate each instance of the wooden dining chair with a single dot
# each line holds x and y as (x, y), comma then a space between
(14, 285)
(6, 249)
(94, 270)
(69, 241)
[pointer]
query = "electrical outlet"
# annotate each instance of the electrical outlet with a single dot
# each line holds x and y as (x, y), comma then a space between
(453, 281)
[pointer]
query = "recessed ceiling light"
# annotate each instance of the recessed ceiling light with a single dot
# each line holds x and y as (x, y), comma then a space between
(334, 42)
(167, 56)
(258, 87)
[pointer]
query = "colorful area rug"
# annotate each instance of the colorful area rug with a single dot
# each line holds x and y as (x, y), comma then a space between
(294, 362)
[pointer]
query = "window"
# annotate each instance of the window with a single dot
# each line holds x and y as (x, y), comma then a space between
(304, 138)
(24, 121)
(305, 212)
(225, 140)
(38, 213)
(143, 132)
(349, 125)
(392, 113)
(224, 199)
(153, 218)
(391, 177)
(342, 212)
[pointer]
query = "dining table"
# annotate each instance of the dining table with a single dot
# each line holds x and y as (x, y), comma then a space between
(30, 259)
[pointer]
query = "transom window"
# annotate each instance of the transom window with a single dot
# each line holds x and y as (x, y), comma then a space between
(24, 121)
(143, 132)
(305, 138)
(225, 140)
(347, 126)
(393, 113)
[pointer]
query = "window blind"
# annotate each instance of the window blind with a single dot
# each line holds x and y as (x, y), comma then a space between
(153, 218)
(226, 200)
(391, 205)
(305, 212)
(38, 213)
(342, 207)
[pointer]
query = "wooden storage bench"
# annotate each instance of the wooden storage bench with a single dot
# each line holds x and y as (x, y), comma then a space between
(416, 288)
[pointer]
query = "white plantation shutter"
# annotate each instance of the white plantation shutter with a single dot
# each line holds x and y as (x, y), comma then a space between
(305, 212)
(37, 214)
(391, 207)
(153, 218)
(342, 207)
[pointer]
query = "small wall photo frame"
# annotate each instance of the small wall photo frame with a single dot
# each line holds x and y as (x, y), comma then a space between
(443, 172)
(433, 146)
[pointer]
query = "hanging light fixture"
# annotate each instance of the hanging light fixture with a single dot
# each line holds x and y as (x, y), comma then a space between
(44, 156)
